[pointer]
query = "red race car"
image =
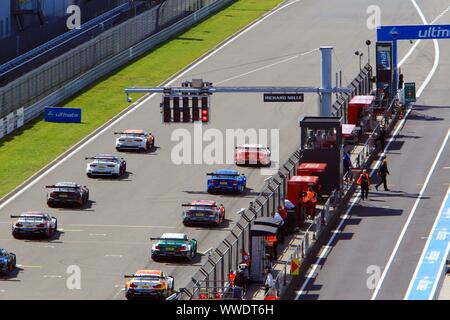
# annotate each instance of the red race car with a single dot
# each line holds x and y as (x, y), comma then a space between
(252, 154)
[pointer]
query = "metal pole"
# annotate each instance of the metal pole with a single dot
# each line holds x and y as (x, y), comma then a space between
(325, 110)
(395, 76)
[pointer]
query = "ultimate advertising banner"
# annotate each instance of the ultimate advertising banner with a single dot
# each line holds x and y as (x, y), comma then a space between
(64, 115)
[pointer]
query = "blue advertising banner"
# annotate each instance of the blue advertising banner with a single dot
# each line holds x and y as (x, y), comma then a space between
(65, 115)
(413, 32)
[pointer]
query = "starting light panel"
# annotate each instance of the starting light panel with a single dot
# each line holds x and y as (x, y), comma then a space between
(205, 109)
(185, 108)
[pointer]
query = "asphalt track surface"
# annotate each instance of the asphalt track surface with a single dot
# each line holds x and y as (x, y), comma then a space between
(367, 239)
(110, 238)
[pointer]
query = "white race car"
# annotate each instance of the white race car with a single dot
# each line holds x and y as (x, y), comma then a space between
(134, 140)
(106, 165)
(34, 223)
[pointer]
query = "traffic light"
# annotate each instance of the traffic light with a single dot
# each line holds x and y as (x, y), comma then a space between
(176, 109)
(167, 116)
(205, 109)
(186, 110)
(195, 109)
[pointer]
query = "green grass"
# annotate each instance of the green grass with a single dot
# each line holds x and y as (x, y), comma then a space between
(26, 151)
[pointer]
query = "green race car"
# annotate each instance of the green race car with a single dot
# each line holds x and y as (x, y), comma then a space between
(174, 245)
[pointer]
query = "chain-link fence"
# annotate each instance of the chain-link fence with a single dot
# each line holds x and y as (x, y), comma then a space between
(110, 50)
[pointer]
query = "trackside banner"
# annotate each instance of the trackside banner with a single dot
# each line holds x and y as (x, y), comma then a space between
(65, 115)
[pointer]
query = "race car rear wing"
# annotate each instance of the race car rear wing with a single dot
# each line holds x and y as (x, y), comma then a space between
(132, 133)
(253, 148)
(26, 217)
(101, 158)
(225, 174)
(199, 205)
(142, 276)
(62, 187)
(30, 216)
(167, 239)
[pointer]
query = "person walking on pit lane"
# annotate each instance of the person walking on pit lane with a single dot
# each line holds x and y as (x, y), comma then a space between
(383, 172)
(279, 219)
(381, 138)
(364, 182)
(347, 163)
(268, 284)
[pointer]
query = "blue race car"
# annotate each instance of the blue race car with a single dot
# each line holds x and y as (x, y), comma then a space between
(7, 262)
(226, 181)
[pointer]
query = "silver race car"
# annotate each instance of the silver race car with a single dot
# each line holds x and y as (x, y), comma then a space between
(138, 140)
(34, 224)
(106, 165)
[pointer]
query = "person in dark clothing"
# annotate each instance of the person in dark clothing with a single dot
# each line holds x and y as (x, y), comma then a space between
(364, 182)
(381, 138)
(239, 285)
(383, 172)
(347, 163)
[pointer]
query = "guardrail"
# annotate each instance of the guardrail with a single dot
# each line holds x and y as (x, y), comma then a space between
(66, 75)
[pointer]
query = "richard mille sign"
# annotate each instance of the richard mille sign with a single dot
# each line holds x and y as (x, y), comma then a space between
(283, 97)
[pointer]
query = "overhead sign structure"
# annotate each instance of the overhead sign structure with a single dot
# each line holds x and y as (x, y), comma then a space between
(284, 97)
(413, 32)
(277, 94)
(64, 115)
(409, 32)
(295, 270)
(410, 92)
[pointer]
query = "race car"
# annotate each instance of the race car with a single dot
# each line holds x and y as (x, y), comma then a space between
(226, 181)
(203, 212)
(174, 245)
(34, 224)
(152, 284)
(134, 140)
(7, 262)
(106, 165)
(252, 154)
(67, 193)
